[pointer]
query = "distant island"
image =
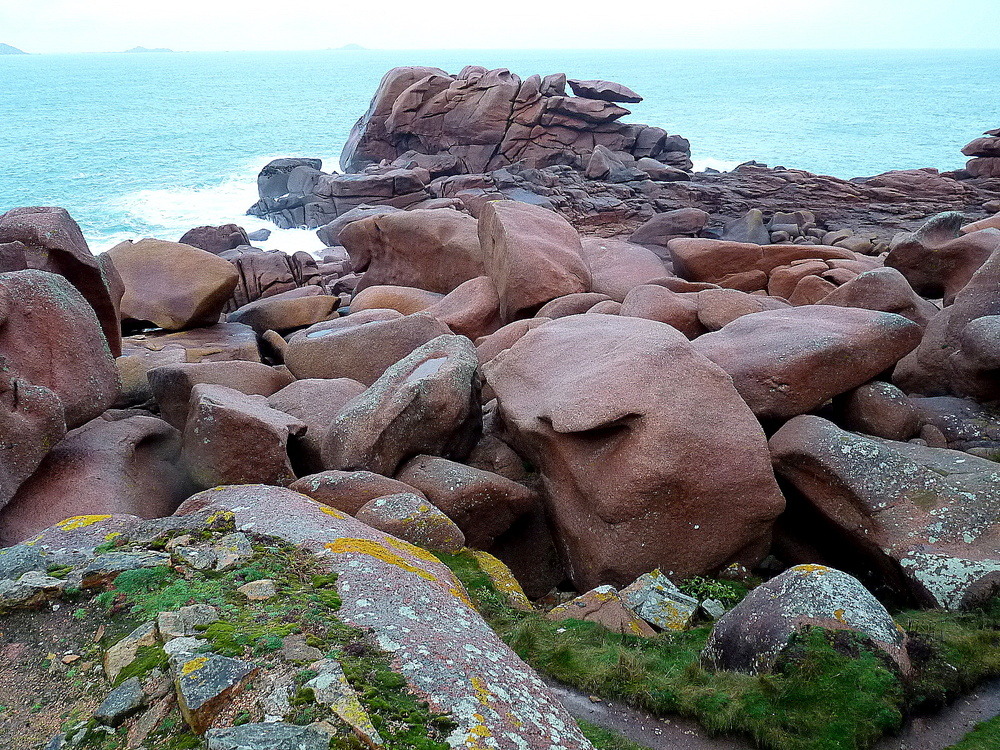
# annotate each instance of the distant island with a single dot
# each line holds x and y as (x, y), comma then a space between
(147, 49)
(6, 49)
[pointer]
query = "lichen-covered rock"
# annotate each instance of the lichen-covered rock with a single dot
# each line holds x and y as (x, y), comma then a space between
(428, 402)
(604, 606)
(206, 683)
(415, 609)
(656, 599)
(185, 621)
(121, 703)
(926, 519)
(274, 736)
(413, 519)
(752, 636)
(104, 569)
(31, 589)
(331, 688)
(124, 652)
(349, 491)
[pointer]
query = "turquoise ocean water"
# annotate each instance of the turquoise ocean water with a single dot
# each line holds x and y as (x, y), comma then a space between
(151, 145)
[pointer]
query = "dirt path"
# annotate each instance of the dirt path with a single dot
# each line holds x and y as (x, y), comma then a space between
(931, 732)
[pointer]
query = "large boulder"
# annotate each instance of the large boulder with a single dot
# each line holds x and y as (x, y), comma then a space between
(753, 635)
(489, 692)
(287, 311)
(483, 505)
(267, 273)
(428, 402)
(937, 259)
(120, 463)
(349, 491)
(172, 285)
(218, 343)
(47, 239)
(361, 346)
(532, 255)
(648, 456)
(55, 358)
(921, 521)
(788, 362)
(316, 402)
(171, 384)
(471, 309)
(232, 438)
(432, 249)
(959, 353)
(886, 290)
(617, 267)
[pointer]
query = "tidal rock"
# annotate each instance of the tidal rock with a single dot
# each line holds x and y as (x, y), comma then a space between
(47, 239)
(329, 234)
(316, 402)
(287, 311)
(483, 504)
(232, 438)
(361, 346)
(604, 90)
(384, 577)
(788, 362)
(924, 519)
(428, 402)
(349, 491)
(267, 273)
(405, 300)
(618, 415)
(171, 285)
(216, 239)
(532, 255)
(413, 519)
(118, 464)
(663, 227)
(472, 309)
(752, 636)
(171, 385)
(748, 228)
(654, 302)
(434, 249)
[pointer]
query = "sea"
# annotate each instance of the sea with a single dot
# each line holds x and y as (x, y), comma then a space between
(138, 145)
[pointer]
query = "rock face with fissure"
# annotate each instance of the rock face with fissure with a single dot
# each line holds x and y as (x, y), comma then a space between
(416, 610)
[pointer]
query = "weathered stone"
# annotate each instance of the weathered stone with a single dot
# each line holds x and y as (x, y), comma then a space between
(121, 703)
(752, 636)
(604, 606)
(20, 559)
(205, 684)
(185, 621)
(331, 688)
(31, 589)
(103, 569)
(124, 652)
(414, 519)
(656, 599)
(220, 342)
(349, 491)
(274, 736)
(259, 590)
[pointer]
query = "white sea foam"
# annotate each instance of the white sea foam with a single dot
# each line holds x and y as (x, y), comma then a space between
(721, 165)
(166, 213)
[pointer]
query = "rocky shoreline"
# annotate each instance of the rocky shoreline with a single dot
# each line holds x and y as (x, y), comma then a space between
(543, 375)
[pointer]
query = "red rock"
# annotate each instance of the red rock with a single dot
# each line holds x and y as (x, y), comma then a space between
(172, 285)
(268, 273)
(472, 309)
(315, 402)
(718, 307)
(984, 167)
(428, 402)
(349, 491)
(617, 267)
(360, 346)
(603, 606)
(119, 464)
(571, 304)
(664, 227)
(405, 300)
(171, 385)
(604, 90)
(287, 311)
(811, 289)
(482, 504)
(608, 307)
(878, 409)
(219, 343)
(434, 249)
(215, 240)
(54, 351)
(886, 290)
(658, 303)
(532, 255)
(232, 438)
(937, 260)
(991, 222)
(958, 354)
(621, 416)
(413, 519)
(788, 362)
(487, 347)
(47, 239)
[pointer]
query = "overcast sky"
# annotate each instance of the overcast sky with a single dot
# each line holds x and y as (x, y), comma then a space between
(202, 25)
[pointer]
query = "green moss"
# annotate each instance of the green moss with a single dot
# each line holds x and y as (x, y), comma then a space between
(147, 659)
(729, 593)
(831, 692)
(985, 736)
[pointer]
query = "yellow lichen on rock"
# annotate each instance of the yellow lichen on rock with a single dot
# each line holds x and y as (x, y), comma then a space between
(503, 579)
(79, 522)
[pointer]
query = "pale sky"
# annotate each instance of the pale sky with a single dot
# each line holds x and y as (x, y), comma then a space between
(208, 25)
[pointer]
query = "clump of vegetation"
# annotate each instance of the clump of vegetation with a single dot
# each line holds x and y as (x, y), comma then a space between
(306, 603)
(830, 692)
(985, 736)
(605, 739)
(728, 593)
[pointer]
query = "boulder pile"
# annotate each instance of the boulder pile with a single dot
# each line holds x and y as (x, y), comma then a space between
(985, 153)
